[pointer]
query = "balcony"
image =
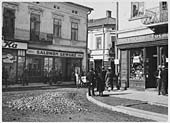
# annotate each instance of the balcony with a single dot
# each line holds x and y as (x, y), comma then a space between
(155, 15)
(41, 37)
(156, 19)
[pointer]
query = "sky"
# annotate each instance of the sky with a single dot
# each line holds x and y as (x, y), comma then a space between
(100, 7)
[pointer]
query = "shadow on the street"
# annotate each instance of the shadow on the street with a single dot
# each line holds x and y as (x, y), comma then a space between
(44, 87)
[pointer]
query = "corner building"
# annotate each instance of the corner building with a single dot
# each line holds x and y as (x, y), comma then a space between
(48, 34)
(142, 42)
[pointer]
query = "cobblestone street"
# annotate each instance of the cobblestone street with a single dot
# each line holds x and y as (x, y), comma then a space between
(56, 104)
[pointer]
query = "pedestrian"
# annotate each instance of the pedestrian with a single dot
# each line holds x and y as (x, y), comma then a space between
(45, 76)
(55, 75)
(51, 76)
(77, 79)
(25, 77)
(158, 78)
(164, 79)
(109, 79)
(5, 76)
(101, 82)
(91, 84)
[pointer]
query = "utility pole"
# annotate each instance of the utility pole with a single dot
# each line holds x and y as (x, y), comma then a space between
(103, 45)
(117, 28)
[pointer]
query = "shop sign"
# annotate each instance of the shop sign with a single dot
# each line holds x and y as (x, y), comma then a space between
(54, 53)
(136, 59)
(14, 45)
(143, 38)
(116, 61)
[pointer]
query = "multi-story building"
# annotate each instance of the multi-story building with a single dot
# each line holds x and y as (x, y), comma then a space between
(42, 36)
(101, 38)
(142, 42)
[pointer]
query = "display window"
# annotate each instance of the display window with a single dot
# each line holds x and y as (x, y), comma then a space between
(136, 64)
(9, 60)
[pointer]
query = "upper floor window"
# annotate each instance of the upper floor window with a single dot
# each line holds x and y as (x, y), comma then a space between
(74, 31)
(34, 26)
(98, 43)
(164, 5)
(57, 28)
(137, 9)
(8, 23)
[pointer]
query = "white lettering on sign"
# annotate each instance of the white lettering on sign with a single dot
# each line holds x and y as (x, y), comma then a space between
(54, 53)
(14, 45)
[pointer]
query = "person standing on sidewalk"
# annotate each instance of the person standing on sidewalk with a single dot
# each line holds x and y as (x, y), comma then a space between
(5, 77)
(109, 79)
(164, 79)
(158, 79)
(25, 76)
(101, 82)
(91, 84)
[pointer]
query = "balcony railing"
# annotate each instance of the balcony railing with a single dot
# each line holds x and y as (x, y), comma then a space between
(155, 15)
(41, 37)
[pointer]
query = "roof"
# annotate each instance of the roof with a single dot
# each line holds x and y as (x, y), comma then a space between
(80, 5)
(102, 21)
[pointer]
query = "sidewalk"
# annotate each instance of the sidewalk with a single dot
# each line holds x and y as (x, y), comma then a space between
(144, 104)
(36, 85)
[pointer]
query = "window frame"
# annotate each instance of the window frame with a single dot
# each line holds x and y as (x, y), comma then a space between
(34, 34)
(98, 45)
(7, 21)
(58, 26)
(74, 31)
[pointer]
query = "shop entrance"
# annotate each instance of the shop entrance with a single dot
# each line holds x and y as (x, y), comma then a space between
(98, 64)
(151, 67)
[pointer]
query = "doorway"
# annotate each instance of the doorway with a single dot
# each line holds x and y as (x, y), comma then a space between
(151, 66)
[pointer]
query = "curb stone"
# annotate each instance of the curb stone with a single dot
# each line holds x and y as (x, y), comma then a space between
(131, 111)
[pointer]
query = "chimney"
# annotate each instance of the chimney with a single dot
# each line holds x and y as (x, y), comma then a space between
(108, 13)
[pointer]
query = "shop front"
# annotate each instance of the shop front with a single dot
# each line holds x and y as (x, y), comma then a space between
(65, 63)
(139, 61)
(13, 60)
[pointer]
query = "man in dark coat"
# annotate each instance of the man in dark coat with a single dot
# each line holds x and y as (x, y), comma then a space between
(164, 79)
(5, 76)
(158, 79)
(101, 81)
(91, 79)
(25, 76)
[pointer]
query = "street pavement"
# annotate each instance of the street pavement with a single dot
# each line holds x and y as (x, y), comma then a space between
(122, 100)
(125, 100)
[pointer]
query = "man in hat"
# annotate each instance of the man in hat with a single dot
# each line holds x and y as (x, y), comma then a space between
(91, 84)
(164, 79)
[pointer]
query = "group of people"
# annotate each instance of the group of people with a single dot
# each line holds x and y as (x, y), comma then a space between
(53, 76)
(162, 80)
(101, 79)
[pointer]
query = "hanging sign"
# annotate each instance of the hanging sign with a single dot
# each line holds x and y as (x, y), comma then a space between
(136, 59)
(116, 61)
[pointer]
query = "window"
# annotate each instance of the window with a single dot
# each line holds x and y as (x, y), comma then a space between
(98, 43)
(34, 26)
(74, 31)
(164, 5)
(136, 64)
(8, 23)
(137, 9)
(57, 28)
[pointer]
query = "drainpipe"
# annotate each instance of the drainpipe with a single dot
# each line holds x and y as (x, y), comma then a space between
(87, 63)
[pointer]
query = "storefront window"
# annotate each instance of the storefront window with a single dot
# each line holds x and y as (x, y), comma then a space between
(21, 63)
(48, 63)
(136, 64)
(9, 60)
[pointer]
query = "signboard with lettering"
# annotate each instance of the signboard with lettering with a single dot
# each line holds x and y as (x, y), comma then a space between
(54, 53)
(14, 45)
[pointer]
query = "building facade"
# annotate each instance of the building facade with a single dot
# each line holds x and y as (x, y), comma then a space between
(42, 36)
(101, 38)
(142, 42)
